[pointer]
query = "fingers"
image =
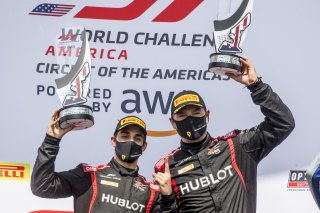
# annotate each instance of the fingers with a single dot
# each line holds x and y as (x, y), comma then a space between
(231, 75)
(167, 167)
(234, 76)
(161, 178)
(55, 113)
(243, 57)
(245, 62)
(164, 181)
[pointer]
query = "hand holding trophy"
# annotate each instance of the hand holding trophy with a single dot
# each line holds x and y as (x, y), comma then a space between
(73, 88)
(229, 35)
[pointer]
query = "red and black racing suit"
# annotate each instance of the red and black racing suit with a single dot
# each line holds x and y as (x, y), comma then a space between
(219, 175)
(96, 189)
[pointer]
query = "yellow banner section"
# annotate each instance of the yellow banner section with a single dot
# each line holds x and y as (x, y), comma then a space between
(14, 171)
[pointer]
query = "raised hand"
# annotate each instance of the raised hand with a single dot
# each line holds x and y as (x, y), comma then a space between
(249, 74)
(54, 129)
(164, 179)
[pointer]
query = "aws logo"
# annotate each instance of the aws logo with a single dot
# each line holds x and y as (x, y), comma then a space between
(174, 12)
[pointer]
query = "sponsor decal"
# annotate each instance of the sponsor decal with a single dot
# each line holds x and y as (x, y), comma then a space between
(186, 98)
(89, 168)
(202, 182)
(155, 187)
(182, 161)
(189, 134)
(123, 157)
(214, 150)
(297, 180)
(137, 184)
(133, 120)
(186, 168)
(109, 183)
(14, 171)
(127, 204)
(111, 176)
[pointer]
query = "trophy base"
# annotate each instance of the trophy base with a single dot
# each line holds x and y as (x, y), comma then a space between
(222, 63)
(79, 116)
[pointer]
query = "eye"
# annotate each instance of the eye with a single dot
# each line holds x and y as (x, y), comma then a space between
(124, 135)
(198, 112)
(181, 114)
(138, 139)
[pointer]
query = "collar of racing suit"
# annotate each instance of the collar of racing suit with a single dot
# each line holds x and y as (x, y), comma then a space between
(194, 148)
(122, 170)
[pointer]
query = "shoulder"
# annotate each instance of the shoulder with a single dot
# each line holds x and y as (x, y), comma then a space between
(160, 165)
(90, 168)
(227, 136)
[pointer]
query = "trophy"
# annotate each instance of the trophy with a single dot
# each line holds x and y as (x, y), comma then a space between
(229, 35)
(73, 87)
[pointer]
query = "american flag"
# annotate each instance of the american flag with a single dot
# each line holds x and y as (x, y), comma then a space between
(51, 9)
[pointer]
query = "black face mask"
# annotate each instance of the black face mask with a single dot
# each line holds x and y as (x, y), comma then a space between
(128, 151)
(191, 127)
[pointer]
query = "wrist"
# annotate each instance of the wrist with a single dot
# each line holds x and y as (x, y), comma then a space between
(255, 82)
(256, 85)
(168, 200)
(52, 140)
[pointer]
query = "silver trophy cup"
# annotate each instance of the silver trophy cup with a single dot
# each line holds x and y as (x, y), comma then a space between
(73, 88)
(229, 35)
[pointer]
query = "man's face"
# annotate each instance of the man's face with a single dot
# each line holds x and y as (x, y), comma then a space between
(131, 133)
(190, 110)
(183, 113)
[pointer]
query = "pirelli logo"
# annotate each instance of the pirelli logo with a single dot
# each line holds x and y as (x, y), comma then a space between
(186, 98)
(14, 171)
(130, 120)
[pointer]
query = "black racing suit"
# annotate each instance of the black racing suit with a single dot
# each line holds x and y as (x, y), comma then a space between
(219, 175)
(96, 189)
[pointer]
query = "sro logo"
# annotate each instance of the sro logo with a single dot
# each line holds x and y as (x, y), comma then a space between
(176, 11)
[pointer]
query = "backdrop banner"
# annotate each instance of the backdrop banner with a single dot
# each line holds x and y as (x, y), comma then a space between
(143, 52)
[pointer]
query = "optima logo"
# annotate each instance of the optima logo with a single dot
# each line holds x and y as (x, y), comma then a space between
(297, 179)
(14, 171)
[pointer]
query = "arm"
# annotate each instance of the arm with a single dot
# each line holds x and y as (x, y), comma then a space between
(278, 122)
(45, 182)
(167, 199)
(313, 177)
(165, 204)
